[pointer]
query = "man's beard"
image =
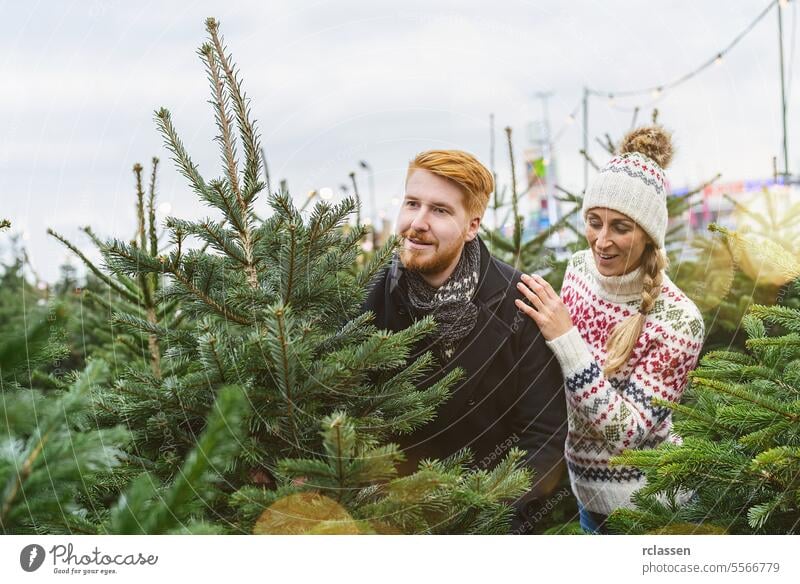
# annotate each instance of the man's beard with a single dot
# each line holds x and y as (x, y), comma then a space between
(426, 261)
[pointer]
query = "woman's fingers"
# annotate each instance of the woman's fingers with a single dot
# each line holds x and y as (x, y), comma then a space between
(528, 309)
(530, 294)
(548, 289)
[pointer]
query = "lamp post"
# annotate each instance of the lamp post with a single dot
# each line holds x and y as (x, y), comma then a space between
(781, 4)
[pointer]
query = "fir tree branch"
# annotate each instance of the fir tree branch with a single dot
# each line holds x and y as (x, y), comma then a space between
(517, 236)
(693, 413)
(125, 293)
(224, 121)
(179, 154)
(215, 234)
(744, 395)
(146, 281)
(287, 295)
(336, 429)
(782, 315)
(180, 277)
(285, 368)
(99, 244)
(20, 477)
(786, 341)
(140, 229)
(248, 137)
(246, 126)
(151, 213)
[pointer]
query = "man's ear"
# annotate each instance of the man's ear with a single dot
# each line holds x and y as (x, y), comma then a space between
(472, 231)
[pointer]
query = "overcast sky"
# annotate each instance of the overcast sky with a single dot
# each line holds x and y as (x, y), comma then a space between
(332, 83)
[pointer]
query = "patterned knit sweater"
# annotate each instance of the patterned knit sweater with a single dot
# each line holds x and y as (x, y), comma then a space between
(607, 415)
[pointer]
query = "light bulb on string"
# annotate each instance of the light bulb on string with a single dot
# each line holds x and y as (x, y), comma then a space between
(718, 60)
(611, 100)
(656, 93)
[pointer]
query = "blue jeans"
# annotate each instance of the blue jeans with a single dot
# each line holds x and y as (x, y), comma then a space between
(591, 522)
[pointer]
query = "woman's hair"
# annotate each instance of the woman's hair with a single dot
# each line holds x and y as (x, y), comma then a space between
(623, 338)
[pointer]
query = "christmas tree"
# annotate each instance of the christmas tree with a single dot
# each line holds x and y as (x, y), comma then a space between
(59, 468)
(727, 275)
(740, 423)
(274, 307)
(42, 464)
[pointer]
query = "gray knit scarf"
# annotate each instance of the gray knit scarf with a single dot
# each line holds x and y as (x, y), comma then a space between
(451, 304)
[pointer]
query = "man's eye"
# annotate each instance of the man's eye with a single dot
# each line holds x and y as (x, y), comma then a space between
(410, 203)
(440, 210)
(595, 225)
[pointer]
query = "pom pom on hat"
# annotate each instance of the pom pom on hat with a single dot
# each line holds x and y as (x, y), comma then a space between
(653, 141)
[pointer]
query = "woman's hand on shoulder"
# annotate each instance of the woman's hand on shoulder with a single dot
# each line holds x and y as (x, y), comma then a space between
(545, 308)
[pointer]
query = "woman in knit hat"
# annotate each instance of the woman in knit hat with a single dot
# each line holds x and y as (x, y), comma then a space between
(622, 331)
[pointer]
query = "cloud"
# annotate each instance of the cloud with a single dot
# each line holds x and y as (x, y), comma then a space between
(332, 83)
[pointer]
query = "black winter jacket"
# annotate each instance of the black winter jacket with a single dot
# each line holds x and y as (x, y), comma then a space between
(512, 391)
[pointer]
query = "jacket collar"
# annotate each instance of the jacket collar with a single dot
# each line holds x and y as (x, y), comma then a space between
(492, 284)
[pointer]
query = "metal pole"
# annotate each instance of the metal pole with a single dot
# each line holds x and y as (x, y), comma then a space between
(491, 167)
(783, 93)
(586, 138)
(547, 152)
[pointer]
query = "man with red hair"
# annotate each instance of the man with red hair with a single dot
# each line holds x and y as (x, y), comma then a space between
(512, 392)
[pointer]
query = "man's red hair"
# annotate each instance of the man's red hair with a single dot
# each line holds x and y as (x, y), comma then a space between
(463, 169)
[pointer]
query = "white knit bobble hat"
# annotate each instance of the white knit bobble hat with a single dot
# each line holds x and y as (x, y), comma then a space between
(634, 184)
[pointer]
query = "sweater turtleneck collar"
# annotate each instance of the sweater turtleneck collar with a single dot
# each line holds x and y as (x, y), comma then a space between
(622, 288)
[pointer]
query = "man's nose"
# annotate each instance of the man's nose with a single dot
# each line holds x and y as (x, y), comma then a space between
(420, 221)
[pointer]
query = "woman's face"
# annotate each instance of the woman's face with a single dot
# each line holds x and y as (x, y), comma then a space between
(616, 241)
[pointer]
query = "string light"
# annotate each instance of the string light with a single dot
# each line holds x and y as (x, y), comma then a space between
(656, 92)
(568, 121)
